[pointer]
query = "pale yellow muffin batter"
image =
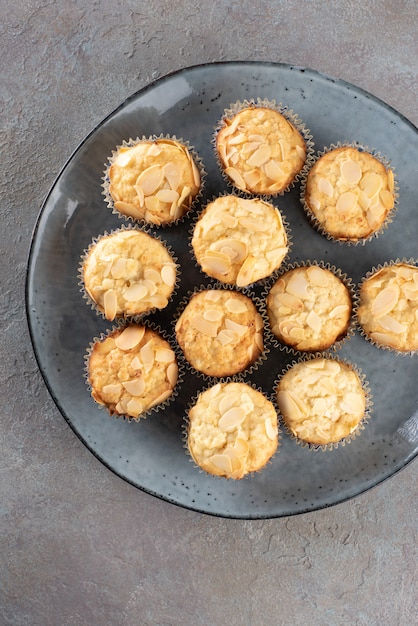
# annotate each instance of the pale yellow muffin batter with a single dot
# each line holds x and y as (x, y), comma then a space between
(129, 272)
(260, 150)
(232, 430)
(321, 400)
(388, 311)
(132, 370)
(239, 241)
(220, 332)
(155, 181)
(350, 193)
(309, 308)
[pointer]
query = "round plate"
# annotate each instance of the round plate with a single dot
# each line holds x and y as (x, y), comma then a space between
(150, 453)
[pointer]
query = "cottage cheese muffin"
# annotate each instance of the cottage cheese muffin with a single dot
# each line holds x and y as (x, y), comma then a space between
(232, 430)
(220, 332)
(239, 241)
(322, 401)
(154, 180)
(132, 370)
(388, 310)
(309, 308)
(349, 193)
(260, 151)
(127, 273)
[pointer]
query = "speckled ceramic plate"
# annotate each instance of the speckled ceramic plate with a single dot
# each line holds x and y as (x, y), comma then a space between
(150, 454)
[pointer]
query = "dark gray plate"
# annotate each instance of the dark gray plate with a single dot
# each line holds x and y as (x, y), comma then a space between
(150, 454)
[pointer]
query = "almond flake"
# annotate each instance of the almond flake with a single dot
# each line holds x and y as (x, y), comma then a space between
(314, 321)
(172, 373)
(346, 202)
(128, 209)
(168, 275)
(386, 198)
(123, 158)
(231, 126)
(167, 195)
(241, 447)
(135, 387)
(291, 301)
(271, 431)
(184, 195)
(150, 179)
(391, 325)
(250, 146)
(161, 398)
(164, 355)
(228, 220)
(331, 366)
(213, 295)
(353, 403)
(227, 401)
(130, 337)
(154, 149)
(246, 273)
(135, 292)
(364, 200)
(235, 177)
(110, 304)
(196, 174)
(147, 353)
(274, 170)
(240, 138)
(287, 405)
(135, 407)
(338, 310)
(240, 329)
(136, 363)
(317, 276)
(222, 462)
(351, 171)
(209, 329)
(216, 263)
(324, 186)
(158, 301)
(212, 315)
(238, 250)
(113, 389)
(232, 418)
(226, 337)
(172, 173)
(385, 301)
(391, 181)
(118, 268)
(298, 286)
(252, 224)
(384, 339)
(301, 152)
(233, 305)
(371, 184)
(260, 156)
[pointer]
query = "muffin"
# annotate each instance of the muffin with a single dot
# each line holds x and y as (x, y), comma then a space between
(128, 272)
(388, 308)
(239, 241)
(155, 180)
(220, 332)
(232, 430)
(349, 193)
(322, 401)
(260, 150)
(309, 308)
(131, 370)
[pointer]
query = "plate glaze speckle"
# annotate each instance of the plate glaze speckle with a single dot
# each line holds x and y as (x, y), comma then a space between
(150, 454)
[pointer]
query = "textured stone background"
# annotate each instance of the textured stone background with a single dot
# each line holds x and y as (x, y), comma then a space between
(79, 546)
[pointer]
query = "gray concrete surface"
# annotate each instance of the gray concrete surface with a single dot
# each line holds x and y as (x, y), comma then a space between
(79, 546)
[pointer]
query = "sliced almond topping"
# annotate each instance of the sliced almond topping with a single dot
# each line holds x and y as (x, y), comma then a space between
(274, 170)
(154, 149)
(140, 194)
(284, 146)
(222, 462)
(135, 387)
(113, 389)
(376, 208)
(385, 301)
(233, 305)
(259, 341)
(297, 333)
(172, 374)
(128, 209)
(318, 276)
(241, 447)
(213, 295)
(406, 272)
(386, 198)
(259, 324)
(371, 184)
(314, 321)
(324, 186)
(158, 301)
(271, 431)
(150, 286)
(173, 174)
(231, 126)
(353, 403)
(391, 181)
(118, 268)
(228, 220)
(164, 355)
(260, 156)
(136, 363)
(372, 220)
(216, 263)
(110, 304)
(123, 158)
(286, 327)
(298, 286)
(237, 250)
(147, 353)
(287, 405)
(150, 179)
(384, 339)
(291, 301)
(338, 310)
(184, 195)
(240, 138)
(235, 177)
(391, 325)
(135, 407)
(168, 275)
(196, 174)
(152, 204)
(252, 178)
(240, 329)
(363, 200)
(276, 256)
(227, 401)
(301, 152)
(351, 171)
(346, 202)
(249, 147)
(167, 195)
(246, 273)
(227, 336)
(331, 366)
(315, 364)
(209, 329)
(130, 337)
(253, 224)
(212, 315)
(232, 418)
(161, 398)
(314, 202)
(135, 292)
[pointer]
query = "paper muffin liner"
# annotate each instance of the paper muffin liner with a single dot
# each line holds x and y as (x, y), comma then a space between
(291, 117)
(313, 220)
(133, 142)
(252, 367)
(125, 227)
(358, 429)
(154, 409)
(347, 282)
(369, 274)
(186, 424)
(260, 282)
